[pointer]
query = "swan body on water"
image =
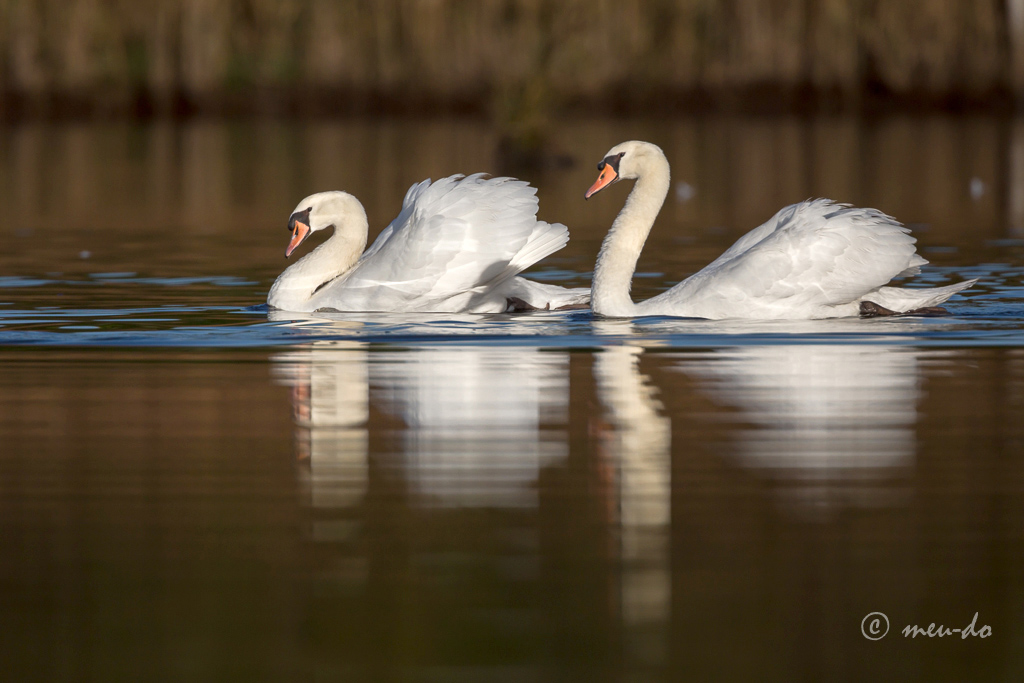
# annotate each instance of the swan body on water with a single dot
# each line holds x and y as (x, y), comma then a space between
(815, 259)
(457, 245)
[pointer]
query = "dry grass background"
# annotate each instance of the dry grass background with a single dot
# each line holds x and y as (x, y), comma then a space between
(514, 59)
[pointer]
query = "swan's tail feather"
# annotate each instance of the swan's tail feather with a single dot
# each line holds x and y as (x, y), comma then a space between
(902, 299)
(546, 239)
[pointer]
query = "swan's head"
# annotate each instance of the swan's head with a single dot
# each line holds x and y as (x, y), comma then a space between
(321, 211)
(625, 160)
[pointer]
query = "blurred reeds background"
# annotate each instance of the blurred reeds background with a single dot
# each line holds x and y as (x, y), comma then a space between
(517, 61)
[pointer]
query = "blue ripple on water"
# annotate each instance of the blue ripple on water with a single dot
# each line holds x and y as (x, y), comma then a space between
(12, 281)
(127, 277)
(211, 327)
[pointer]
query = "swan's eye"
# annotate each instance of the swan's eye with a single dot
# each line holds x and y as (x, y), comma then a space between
(612, 161)
(298, 217)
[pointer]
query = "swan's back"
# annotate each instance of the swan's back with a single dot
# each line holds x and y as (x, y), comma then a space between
(458, 238)
(808, 258)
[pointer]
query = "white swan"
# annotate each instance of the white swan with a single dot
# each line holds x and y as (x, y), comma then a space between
(815, 259)
(456, 246)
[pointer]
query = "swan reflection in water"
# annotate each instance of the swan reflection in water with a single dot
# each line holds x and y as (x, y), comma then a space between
(474, 426)
(479, 421)
(831, 424)
(475, 423)
(331, 406)
(639, 449)
(462, 427)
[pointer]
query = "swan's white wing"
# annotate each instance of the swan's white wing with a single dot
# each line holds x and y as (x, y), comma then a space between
(816, 253)
(454, 236)
(751, 238)
(408, 205)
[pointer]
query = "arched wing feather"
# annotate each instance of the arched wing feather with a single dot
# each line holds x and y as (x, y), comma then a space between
(816, 252)
(453, 236)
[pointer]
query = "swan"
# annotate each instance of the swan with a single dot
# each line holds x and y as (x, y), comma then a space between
(457, 245)
(815, 259)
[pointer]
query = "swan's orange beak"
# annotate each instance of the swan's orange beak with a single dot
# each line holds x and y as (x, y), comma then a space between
(606, 178)
(300, 232)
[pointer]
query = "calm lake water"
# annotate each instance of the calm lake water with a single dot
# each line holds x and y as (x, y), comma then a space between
(192, 489)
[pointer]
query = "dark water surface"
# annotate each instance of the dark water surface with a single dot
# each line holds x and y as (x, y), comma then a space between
(191, 489)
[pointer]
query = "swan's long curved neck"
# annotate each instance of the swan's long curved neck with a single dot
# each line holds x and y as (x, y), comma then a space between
(296, 285)
(616, 262)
